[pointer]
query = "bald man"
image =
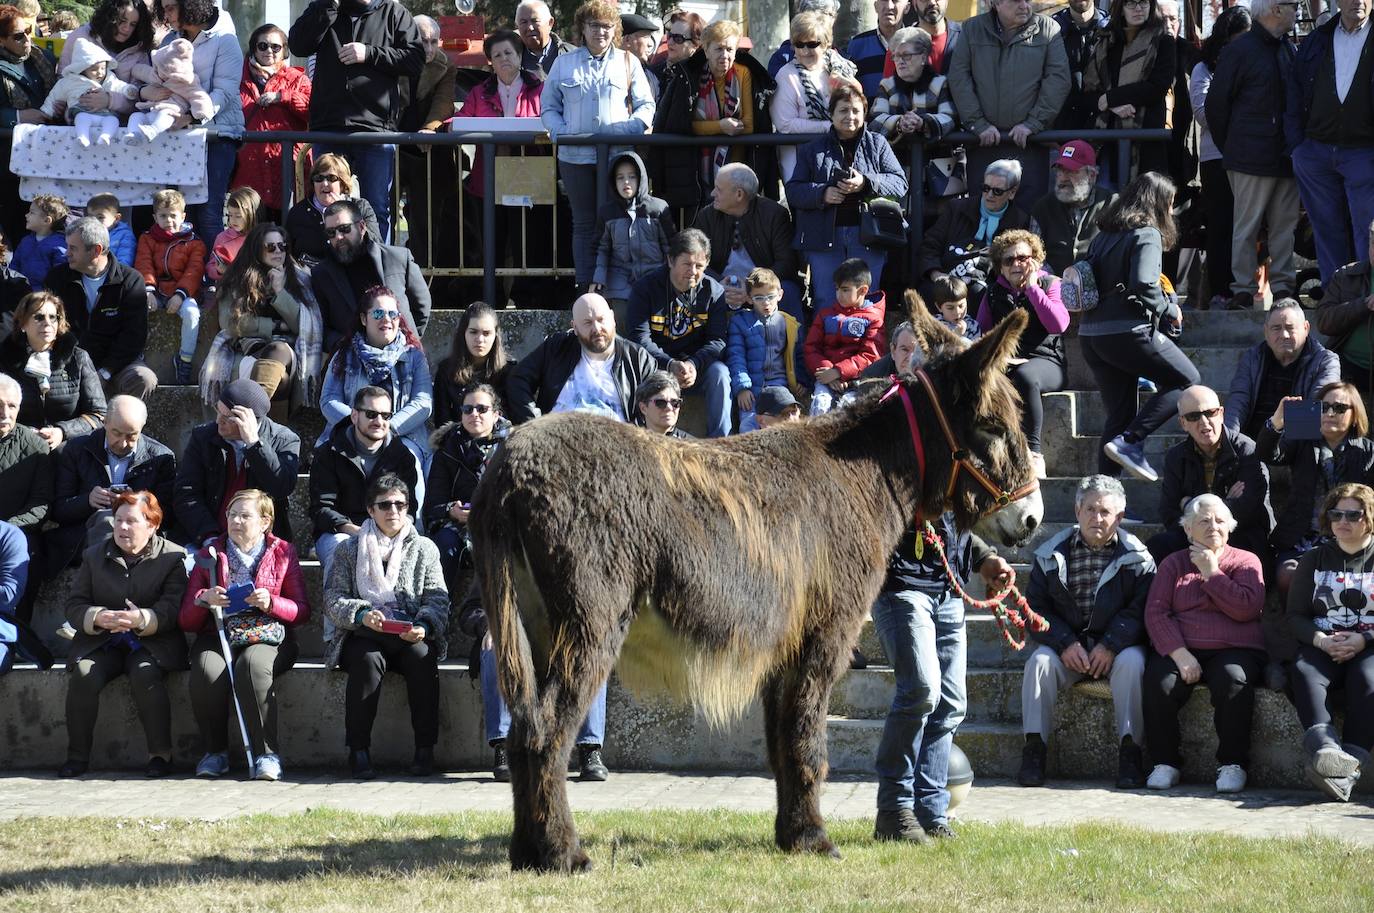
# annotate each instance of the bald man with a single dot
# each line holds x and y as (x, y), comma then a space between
(1215, 460)
(584, 368)
(96, 466)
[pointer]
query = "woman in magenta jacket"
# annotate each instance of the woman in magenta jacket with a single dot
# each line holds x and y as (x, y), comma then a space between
(275, 96)
(259, 584)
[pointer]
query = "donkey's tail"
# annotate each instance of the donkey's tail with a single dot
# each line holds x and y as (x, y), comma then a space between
(514, 663)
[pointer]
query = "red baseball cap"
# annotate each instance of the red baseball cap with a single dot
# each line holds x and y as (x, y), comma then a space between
(1076, 154)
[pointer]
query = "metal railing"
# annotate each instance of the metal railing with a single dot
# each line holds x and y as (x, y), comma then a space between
(487, 143)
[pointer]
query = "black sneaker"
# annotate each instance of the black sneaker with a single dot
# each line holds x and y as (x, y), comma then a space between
(157, 768)
(899, 825)
(423, 765)
(500, 765)
(360, 765)
(593, 769)
(1032, 772)
(941, 831)
(1130, 766)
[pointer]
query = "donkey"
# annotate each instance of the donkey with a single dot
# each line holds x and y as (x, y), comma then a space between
(720, 570)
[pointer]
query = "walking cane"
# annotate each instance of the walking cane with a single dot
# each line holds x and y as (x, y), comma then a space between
(211, 563)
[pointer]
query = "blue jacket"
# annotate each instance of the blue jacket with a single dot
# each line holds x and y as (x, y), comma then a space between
(1314, 52)
(583, 94)
(1317, 367)
(16, 638)
(701, 337)
(123, 245)
(868, 53)
(34, 257)
(1246, 103)
(410, 385)
(746, 351)
(820, 164)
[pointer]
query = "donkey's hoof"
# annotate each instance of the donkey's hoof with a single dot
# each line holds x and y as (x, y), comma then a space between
(810, 840)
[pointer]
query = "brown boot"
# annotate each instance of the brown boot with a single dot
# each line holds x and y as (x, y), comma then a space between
(269, 375)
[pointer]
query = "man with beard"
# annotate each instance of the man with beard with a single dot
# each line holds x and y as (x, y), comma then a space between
(1082, 24)
(944, 35)
(356, 263)
(586, 367)
(1289, 362)
(1066, 217)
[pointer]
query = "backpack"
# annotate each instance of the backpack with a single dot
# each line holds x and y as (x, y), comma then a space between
(1079, 288)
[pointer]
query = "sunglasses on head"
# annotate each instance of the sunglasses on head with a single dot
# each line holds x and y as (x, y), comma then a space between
(1336, 515)
(806, 45)
(342, 229)
(996, 191)
(479, 408)
(1335, 408)
(384, 314)
(664, 402)
(268, 46)
(681, 39)
(373, 414)
(1200, 414)
(399, 506)
(274, 247)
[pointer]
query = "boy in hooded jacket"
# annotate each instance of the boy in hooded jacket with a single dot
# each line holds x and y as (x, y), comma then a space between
(633, 231)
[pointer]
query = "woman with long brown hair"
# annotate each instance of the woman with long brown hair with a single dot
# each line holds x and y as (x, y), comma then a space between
(478, 356)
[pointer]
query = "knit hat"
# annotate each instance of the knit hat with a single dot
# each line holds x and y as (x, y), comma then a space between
(244, 392)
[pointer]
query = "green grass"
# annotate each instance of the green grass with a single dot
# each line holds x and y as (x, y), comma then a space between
(653, 862)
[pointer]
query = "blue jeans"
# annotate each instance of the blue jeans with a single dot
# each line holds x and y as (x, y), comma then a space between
(208, 217)
(714, 383)
(189, 314)
(1337, 188)
(579, 183)
(823, 264)
(375, 168)
(924, 640)
(497, 714)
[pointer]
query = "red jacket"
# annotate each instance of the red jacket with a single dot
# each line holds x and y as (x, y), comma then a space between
(259, 164)
(171, 263)
(484, 100)
(847, 340)
(279, 573)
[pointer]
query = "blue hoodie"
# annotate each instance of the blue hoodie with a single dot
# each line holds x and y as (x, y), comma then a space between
(123, 245)
(34, 257)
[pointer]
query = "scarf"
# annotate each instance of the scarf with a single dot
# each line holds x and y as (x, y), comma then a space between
(163, 235)
(988, 222)
(379, 563)
(30, 90)
(1137, 60)
(39, 367)
(260, 74)
(243, 566)
(708, 108)
(379, 365)
(815, 104)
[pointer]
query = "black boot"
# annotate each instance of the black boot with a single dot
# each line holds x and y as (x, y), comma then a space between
(423, 765)
(500, 765)
(360, 765)
(899, 825)
(1032, 772)
(593, 768)
(1130, 767)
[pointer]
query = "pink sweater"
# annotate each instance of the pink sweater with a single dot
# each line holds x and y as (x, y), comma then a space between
(1186, 611)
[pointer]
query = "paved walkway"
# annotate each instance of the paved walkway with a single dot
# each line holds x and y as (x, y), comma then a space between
(1259, 813)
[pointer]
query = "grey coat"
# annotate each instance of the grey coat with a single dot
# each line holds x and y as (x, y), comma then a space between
(420, 592)
(1002, 80)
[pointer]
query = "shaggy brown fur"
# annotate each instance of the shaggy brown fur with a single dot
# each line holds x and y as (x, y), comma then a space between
(725, 569)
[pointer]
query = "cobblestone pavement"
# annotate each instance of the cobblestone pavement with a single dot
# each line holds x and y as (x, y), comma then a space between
(1259, 813)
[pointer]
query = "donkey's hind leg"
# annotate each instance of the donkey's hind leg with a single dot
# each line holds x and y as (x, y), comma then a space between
(795, 702)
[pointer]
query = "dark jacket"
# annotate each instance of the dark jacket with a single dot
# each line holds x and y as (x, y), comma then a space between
(74, 402)
(201, 474)
(305, 228)
(338, 482)
(1001, 79)
(1342, 310)
(455, 470)
(1127, 266)
(1314, 53)
(1246, 102)
(1080, 109)
(448, 394)
(396, 269)
(1117, 619)
(1184, 477)
(82, 466)
(24, 85)
(26, 467)
(700, 338)
(115, 333)
(1354, 464)
(1065, 241)
(364, 97)
(765, 230)
(926, 574)
(540, 377)
(155, 584)
(955, 228)
(676, 170)
(820, 164)
(1103, 74)
(628, 249)
(1317, 367)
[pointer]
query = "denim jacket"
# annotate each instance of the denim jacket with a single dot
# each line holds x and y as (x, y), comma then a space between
(586, 94)
(411, 387)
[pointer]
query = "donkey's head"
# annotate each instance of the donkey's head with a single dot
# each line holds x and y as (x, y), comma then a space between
(984, 416)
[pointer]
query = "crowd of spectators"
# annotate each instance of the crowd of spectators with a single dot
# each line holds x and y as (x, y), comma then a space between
(693, 281)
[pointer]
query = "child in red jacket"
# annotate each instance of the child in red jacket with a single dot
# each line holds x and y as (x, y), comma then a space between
(172, 261)
(844, 338)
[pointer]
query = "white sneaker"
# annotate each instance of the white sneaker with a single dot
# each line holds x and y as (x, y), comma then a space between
(1163, 777)
(1230, 778)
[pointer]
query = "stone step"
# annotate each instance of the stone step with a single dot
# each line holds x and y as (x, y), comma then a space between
(994, 695)
(983, 642)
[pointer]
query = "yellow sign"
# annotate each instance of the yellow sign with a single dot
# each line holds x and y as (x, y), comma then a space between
(525, 180)
(53, 46)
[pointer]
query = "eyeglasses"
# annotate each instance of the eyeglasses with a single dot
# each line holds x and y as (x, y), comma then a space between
(1200, 414)
(383, 314)
(267, 46)
(996, 191)
(275, 247)
(479, 408)
(681, 39)
(326, 179)
(600, 26)
(764, 299)
(372, 415)
(1147, 3)
(398, 506)
(1335, 408)
(1349, 516)
(905, 57)
(806, 45)
(340, 230)
(663, 402)
(1013, 259)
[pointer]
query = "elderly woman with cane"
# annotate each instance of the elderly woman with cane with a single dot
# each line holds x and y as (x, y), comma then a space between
(255, 581)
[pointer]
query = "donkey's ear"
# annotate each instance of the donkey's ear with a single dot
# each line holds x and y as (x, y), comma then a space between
(989, 354)
(931, 334)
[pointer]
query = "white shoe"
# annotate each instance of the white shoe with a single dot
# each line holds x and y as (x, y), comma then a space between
(1230, 778)
(1037, 461)
(1163, 777)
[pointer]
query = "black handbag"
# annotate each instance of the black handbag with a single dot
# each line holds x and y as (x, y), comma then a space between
(882, 224)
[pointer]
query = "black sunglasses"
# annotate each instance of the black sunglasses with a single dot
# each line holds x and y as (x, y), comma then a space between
(372, 415)
(806, 45)
(1335, 408)
(274, 48)
(342, 229)
(326, 179)
(996, 191)
(1200, 414)
(664, 402)
(681, 39)
(479, 408)
(1336, 515)
(398, 506)
(1013, 259)
(274, 247)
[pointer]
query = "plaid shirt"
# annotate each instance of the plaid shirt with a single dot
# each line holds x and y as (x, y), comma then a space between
(1085, 569)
